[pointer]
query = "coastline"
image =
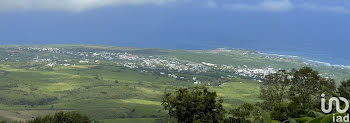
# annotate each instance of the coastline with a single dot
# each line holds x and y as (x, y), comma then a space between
(261, 52)
(309, 61)
(306, 60)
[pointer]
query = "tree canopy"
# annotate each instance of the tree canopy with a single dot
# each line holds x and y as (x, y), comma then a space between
(288, 96)
(62, 117)
(295, 93)
(195, 105)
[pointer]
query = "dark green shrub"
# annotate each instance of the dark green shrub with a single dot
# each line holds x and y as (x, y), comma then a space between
(62, 117)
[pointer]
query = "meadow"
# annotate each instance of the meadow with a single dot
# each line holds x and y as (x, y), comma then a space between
(29, 93)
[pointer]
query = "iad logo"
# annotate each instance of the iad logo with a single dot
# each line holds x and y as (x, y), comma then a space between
(343, 118)
(337, 104)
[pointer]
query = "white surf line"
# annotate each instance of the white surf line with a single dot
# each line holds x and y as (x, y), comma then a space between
(309, 61)
(305, 59)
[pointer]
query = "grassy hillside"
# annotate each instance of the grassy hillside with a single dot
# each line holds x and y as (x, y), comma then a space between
(27, 93)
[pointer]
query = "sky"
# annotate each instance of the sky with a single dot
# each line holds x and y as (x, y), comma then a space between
(313, 26)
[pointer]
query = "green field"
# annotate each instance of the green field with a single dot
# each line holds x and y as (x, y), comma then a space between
(136, 95)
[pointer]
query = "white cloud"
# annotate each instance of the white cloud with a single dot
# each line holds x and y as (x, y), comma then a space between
(71, 5)
(338, 9)
(210, 4)
(266, 5)
(239, 5)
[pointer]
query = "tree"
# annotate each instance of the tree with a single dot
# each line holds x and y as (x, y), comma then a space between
(293, 94)
(306, 87)
(62, 117)
(274, 89)
(242, 113)
(283, 111)
(344, 89)
(195, 105)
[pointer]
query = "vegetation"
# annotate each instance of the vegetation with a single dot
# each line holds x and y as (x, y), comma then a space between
(294, 94)
(344, 89)
(288, 97)
(203, 106)
(241, 114)
(199, 105)
(60, 117)
(40, 80)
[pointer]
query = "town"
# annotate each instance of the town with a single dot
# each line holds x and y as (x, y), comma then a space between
(157, 64)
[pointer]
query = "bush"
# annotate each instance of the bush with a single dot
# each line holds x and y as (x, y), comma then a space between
(242, 113)
(62, 117)
(344, 89)
(280, 112)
